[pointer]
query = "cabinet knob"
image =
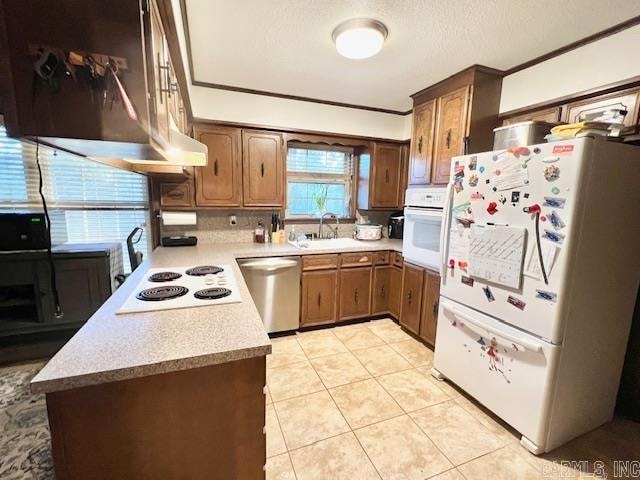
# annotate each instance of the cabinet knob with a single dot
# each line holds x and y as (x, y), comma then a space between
(215, 167)
(420, 145)
(449, 138)
(410, 296)
(262, 169)
(319, 299)
(355, 295)
(382, 293)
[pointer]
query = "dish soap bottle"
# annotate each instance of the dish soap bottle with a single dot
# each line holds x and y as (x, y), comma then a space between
(292, 234)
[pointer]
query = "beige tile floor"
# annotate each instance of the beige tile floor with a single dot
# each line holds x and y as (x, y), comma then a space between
(358, 402)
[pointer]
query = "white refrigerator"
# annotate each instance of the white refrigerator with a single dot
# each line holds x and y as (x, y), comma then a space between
(540, 265)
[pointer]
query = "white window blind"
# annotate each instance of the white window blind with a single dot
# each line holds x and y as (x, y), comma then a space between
(319, 180)
(88, 201)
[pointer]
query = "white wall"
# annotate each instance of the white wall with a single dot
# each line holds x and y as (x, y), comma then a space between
(608, 60)
(225, 105)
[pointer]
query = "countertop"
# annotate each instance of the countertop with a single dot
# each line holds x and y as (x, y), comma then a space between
(111, 347)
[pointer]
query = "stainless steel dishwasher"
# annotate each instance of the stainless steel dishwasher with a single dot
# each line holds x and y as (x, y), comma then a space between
(274, 284)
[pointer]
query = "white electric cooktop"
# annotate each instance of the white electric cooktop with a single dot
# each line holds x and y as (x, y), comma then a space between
(183, 287)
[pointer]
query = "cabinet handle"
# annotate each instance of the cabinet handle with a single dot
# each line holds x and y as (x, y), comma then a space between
(410, 296)
(435, 308)
(319, 299)
(386, 175)
(420, 145)
(355, 295)
(382, 291)
(262, 169)
(449, 138)
(215, 167)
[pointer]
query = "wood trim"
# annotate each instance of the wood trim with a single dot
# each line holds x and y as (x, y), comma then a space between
(577, 44)
(618, 86)
(200, 83)
(171, 34)
(320, 135)
(463, 77)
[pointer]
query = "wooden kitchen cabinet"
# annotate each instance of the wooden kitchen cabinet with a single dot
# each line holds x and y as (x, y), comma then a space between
(550, 115)
(430, 302)
(355, 292)
(381, 289)
(395, 291)
(451, 132)
(176, 194)
(219, 184)
(263, 168)
(386, 181)
(411, 303)
(381, 177)
(453, 117)
(626, 99)
(424, 123)
(319, 295)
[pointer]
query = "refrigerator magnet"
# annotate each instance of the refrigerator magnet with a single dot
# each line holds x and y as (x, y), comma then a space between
(545, 295)
(516, 302)
(473, 161)
(555, 202)
(473, 180)
(488, 293)
(515, 197)
(555, 237)
(492, 208)
(481, 169)
(467, 280)
(457, 185)
(551, 173)
(556, 221)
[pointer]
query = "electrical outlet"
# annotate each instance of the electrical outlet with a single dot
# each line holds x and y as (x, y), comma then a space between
(233, 221)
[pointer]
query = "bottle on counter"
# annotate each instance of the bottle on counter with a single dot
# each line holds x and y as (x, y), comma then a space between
(292, 234)
(259, 233)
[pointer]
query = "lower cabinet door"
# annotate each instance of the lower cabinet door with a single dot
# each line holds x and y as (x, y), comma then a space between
(319, 297)
(395, 291)
(412, 285)
(355, 293)
(380, 294)
(430, 299)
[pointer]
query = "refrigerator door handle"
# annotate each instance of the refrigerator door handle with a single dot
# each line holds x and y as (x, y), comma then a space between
(444, 230)
(471, 322)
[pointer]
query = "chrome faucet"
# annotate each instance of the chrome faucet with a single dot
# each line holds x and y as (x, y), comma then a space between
(334, 230)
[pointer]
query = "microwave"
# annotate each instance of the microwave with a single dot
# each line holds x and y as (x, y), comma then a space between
(23, 231)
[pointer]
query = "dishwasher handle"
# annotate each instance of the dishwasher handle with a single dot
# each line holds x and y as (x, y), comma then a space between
(269, 264)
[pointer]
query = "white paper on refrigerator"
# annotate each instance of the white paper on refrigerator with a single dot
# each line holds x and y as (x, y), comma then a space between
(496, 254)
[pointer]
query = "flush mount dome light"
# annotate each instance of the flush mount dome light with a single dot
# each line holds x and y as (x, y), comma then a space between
(359, 37)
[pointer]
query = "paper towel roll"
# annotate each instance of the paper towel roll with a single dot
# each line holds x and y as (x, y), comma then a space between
(178, 218)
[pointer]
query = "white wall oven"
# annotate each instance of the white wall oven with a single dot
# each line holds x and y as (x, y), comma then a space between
(422, 223)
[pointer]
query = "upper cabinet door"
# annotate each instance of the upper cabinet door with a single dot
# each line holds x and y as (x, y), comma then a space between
(263, 162)
(450, 132)
(219, 184)
(386, 176)
(424, 117)
(626, 100)
(160, 100)
(550, 115)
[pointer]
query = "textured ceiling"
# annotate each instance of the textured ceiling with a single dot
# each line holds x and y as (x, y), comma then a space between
(285, 46)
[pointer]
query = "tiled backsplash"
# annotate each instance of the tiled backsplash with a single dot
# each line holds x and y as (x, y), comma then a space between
(213, 225)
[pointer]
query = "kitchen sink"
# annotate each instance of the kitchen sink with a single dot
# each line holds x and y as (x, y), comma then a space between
(327, 244)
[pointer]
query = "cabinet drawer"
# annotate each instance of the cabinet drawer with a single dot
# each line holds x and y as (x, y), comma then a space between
(359, 259)
(397, 259)
(381, 258)
(320, 262)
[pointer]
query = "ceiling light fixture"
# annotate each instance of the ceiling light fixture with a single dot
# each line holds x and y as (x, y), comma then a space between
(359, 37)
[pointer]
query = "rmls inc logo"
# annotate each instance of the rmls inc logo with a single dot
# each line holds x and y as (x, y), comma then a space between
(626, 469)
